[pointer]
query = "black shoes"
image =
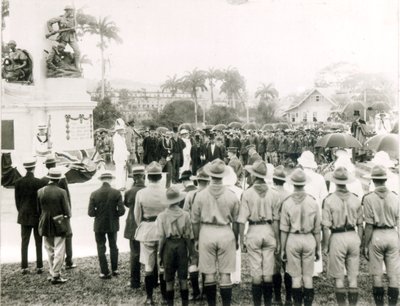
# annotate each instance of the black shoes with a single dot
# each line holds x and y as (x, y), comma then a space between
(69, 267)
(58, 280)
(115, 273)
(105, 276)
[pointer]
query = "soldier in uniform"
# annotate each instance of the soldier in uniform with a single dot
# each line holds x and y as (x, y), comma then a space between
(300, 238)
(19, 66)
(203, 180)
(260, 206)
(148, 205)
(341, 215)
(175, 247)
(214, 210)
(381, 213)
(66, 25)
(272, 147)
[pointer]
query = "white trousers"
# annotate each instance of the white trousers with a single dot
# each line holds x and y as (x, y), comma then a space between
(120, 174)
(55, 247)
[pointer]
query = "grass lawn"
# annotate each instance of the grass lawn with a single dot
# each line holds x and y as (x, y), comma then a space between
(86, 288)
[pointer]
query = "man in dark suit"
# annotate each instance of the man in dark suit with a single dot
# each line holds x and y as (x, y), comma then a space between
(63, 184)
(150, 146)
(131, 226)
(106, 207)
(215, 149)
(53, 202)
(177, 155)
(26, 201)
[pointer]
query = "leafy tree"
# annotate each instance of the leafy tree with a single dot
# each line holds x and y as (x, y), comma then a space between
(334, 74)
(191, 83)
(5, 12)
(266, 112)
(96, 95)
(172, 84)
(266, 93)
(176, 113)
(105, 114)
(107, 32)
(233, 85)
(221, 114)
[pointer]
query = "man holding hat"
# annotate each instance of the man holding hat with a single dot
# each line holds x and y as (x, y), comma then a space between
(381, 214)
(53, 202)
(26, 202)
(300, 227)
(106, 207)
(174, 248)
(260, 207)
(148, 205)
(341, 215)
(120, 156)
(214, 210)
(131, 225)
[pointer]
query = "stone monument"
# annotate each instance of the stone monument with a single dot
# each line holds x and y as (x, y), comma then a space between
(61, 103)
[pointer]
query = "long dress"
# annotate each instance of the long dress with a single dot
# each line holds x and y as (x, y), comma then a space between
(186, 155)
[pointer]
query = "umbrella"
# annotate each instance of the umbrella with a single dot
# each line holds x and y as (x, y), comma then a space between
(338, 140)
(235, 125)
(282, 126)
(161, 130)
(219, 127)
(385, 142)
(186, 126)
(249, 126)
(268, 127)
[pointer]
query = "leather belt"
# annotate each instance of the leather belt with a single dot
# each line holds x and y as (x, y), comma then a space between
(149, 219)
(175, 237)
(343, 229)
(383, 227)
(260, 222)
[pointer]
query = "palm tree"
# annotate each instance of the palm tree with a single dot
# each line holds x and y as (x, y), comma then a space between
(212, 76)
(266, 93)
(191, 83)
(172, 84)
(107, 31)
(233, 85)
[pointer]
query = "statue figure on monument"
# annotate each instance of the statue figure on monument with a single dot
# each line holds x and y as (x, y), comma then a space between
(66, 32)
(61, 63)
(17, 65)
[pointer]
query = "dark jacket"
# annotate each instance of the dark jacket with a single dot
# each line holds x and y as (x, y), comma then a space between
(106, 207)
(63, 184)
(195, 153)
(52, 201)
(219, 152)
(150, 150)
(129, 202)
(26, 199)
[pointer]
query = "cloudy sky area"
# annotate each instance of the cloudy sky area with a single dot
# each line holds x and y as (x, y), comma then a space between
(280, 41)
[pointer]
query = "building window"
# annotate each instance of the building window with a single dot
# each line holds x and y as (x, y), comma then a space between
(314, 117)
(304, 117)
(297, 115)
(317, 98)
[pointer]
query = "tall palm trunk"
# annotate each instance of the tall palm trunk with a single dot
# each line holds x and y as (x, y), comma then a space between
(212, 92)
(103, 67)
(195, 105)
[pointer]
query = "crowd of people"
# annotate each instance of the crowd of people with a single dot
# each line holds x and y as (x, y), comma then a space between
(225, 193)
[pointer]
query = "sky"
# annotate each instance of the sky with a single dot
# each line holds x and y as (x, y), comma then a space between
(284, 42)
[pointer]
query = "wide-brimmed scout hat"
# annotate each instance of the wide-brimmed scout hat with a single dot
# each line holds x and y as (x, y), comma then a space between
(173, 196)
(216, 168)
(29, 163)
(258, 169)
(54, 174)
(107, 175)
(154, 168)
(340, 176)
(279, 173)
(377, 172)
(307, 160)
(201, 175)
(381, 158)
(185, 176)
(298, 177)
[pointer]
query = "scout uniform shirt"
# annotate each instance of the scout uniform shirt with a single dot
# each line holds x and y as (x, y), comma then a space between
(174, 222)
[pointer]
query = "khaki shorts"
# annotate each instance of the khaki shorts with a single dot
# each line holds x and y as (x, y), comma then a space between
(384, 247)
(300, 252)
(261, 245)
(217, 247)
(344, 252)
(148, 254)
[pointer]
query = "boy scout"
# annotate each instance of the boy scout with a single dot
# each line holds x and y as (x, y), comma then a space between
(300, 238)
(341, 214)
(148, 205)
(175, 234)
(279, 180)
(215, 208)
(260, 207)
(381, 213)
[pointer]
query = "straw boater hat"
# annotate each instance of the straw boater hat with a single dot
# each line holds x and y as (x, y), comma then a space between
(185, 176)
(29, 163)
(377, 172)
(138, 169)
(200, 175)
(307, 160)
(340, 176)
(50, 160)
(298, 177)
(279, 173)
(184, 131)
(381, 158)
(216, 168)
(106, 176)
(154, 168)
(54, 174)
(173, 196)
(258, 169)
